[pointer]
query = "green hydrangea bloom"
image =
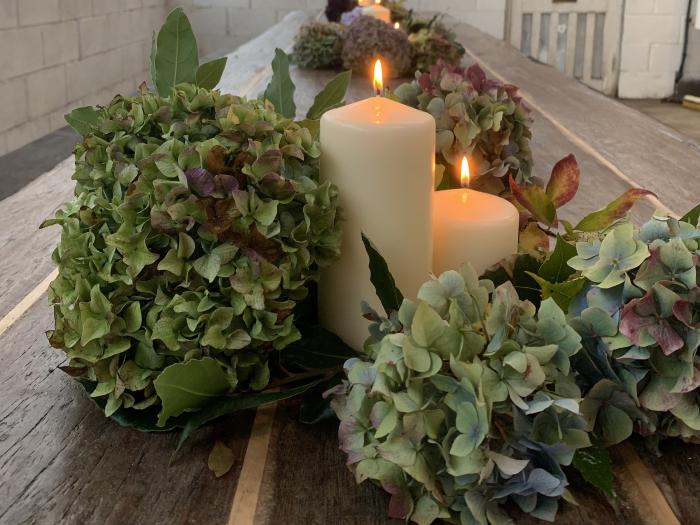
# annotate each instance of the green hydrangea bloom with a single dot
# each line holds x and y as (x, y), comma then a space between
(198, 221)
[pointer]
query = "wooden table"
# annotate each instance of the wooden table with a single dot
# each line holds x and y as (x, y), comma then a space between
(61, 461)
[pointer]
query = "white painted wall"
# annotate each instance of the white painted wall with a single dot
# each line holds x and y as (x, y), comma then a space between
(692, 64)
(652, 42)
(59, 54)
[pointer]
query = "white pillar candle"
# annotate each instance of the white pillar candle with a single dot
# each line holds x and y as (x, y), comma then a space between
(365, 3)
(378, 11)
(380, 154)
(470, 226)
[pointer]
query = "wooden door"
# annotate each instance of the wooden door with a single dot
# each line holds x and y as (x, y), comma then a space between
(579, 37)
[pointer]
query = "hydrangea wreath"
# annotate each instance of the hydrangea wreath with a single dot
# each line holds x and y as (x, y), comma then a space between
(199, 224)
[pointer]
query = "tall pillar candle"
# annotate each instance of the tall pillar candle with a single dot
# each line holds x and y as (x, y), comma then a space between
(380, 154)
(471, 226)
(378, 11)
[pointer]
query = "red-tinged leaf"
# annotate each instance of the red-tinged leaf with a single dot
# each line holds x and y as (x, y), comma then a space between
(536, 201)
(601, 219)
(564, 181)
(641, 315)
(534, 241)
(683, 311)
(524, 216)
(666, 336)
(637, 315)
(400, 503)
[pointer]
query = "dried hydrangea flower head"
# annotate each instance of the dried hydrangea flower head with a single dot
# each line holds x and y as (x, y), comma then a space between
(464, 401)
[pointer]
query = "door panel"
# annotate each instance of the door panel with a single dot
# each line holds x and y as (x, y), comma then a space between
(581, 38)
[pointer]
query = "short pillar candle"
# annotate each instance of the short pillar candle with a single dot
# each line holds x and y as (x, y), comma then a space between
(471, 226)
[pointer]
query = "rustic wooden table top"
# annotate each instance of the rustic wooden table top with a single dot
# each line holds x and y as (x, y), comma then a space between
(61, 461)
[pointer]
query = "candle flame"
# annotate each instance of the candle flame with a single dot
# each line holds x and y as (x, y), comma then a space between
(378, 77)
(377, 2)
(465, 174)
(397, 25)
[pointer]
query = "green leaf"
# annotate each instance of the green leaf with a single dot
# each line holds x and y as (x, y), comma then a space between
(596, 468)
(692, 216)
(152, 65)
(562, 293)
(83, 120)
(141, 420)
(387, 291)
(280, 90)
(221, 459)
(314, 407)
(615, 425)
(209, 74)
(317, 350)
(176, 57)
(536, 201)
(332, 96)
(601, 219)
(229, 404)
(555, 269)
(189, 386)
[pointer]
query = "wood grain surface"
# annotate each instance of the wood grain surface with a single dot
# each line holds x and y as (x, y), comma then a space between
(61, 461)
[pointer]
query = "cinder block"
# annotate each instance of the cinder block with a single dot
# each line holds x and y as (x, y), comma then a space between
(208, 20)
(60, 42)
(665, 58)
(74, 9)
(95, 35)
(646, 85)
(32, 12)
(57, 118)
(652, 28)
(133, 59)
(46, 90)
(13, 110)
(278, 4)
(250, 22)
(93, 73)
(3, 143)
(214, 46)
(26, 133)
(8, 13)
(103, 7)
(220, 3)
(634, 57)
(22, 58)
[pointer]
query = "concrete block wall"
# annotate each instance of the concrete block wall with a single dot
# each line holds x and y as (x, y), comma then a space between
(651, 49)
(223, 25)
(56, 55)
